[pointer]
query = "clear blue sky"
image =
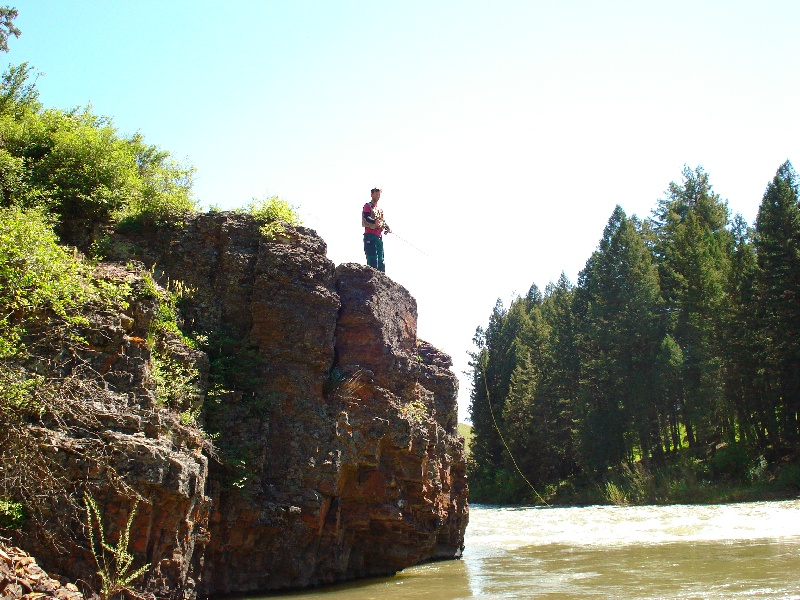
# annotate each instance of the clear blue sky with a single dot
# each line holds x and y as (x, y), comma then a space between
(502, 133)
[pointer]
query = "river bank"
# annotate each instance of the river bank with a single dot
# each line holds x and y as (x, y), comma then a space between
(711, 474)
(724, 474)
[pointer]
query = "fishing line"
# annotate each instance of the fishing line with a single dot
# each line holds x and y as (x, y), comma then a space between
(502, 439)
(409, 243)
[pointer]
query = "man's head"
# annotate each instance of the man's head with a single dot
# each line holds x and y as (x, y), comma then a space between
(376, 194)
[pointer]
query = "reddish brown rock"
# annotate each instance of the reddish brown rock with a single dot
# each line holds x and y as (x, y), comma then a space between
(337, 451)
(21, 577)
(115, 440)
(338, 482)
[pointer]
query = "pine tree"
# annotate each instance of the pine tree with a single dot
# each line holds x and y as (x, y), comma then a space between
(693, 248)
(777, 241)
(669, 365)
(562, 372)
(492, 369)
(618, 306)
(745, 344)
(526, 418)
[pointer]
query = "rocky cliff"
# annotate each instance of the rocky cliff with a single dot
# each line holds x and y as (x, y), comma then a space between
(334, 428)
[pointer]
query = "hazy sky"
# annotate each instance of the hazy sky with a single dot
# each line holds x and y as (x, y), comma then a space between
(503, 133)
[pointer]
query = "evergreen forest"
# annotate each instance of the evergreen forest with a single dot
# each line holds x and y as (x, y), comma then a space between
(670, 372)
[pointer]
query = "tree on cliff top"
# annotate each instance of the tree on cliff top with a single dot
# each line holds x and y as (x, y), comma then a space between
(76, 166)
(7, 27)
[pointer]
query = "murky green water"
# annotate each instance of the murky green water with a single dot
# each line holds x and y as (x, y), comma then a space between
(747, 550)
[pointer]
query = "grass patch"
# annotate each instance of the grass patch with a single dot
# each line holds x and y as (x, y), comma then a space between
(465, 431)
(731, 474)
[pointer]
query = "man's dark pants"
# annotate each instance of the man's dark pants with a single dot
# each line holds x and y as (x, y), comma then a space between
(373, 248)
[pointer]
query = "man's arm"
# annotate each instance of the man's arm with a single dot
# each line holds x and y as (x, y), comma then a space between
(367, 218)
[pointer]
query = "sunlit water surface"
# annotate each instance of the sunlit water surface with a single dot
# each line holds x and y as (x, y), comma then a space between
(749, 550)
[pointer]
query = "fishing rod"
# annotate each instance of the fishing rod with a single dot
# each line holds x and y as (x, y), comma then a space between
(402, 239)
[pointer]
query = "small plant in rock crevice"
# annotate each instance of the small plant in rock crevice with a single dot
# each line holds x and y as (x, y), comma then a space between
(415, 411)
(12, 514)
(176, 383)
(114, 563)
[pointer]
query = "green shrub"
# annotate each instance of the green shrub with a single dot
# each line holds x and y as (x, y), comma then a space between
(273, 214)
(12, 515)
(164, 193)
(76, 166)
(615, 495)
(414, 411)
(788, 476)
(36, 275)
(35, 272)
(75, 163)
(18, 393)
(732, 461)
(43, 286)
(630, 484)
(176, 383)
(759, 471)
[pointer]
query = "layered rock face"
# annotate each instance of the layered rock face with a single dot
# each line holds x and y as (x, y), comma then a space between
(338, 451)
(112, 437)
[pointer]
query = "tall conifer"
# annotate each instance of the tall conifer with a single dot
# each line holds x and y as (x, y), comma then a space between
(777, 241)
(618, 303)
(693, 252)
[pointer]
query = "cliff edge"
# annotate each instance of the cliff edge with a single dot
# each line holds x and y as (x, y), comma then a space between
(334, 428)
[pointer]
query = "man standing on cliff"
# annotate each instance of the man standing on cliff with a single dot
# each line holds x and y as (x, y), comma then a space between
(374, 228)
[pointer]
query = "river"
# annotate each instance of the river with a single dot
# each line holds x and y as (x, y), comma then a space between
(748, 550)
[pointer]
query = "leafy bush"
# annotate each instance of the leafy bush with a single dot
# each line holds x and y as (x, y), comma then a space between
(164, 190)
(272, 214)
(760, 469)
(36, 274)
(176, 380)
(630, 484)
(34, 270)
(18, 94)
(788, 476)
(615, 495)
(18, 393)
(12, 515)
(414, 411)
(176, 383)
(732, 461)
(40, 279)
(75, 165)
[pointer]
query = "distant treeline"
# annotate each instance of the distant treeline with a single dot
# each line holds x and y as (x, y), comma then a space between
(683, 332)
